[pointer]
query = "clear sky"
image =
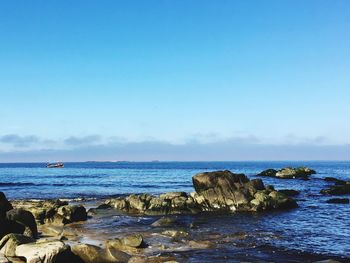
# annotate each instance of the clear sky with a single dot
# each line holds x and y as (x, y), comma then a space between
(174, 80)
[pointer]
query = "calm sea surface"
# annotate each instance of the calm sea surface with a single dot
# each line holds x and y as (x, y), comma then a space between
(314, 227)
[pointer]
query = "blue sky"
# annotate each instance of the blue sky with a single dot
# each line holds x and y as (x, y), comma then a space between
(172, 80)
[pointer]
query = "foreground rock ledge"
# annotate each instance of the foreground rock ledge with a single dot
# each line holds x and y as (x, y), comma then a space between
(214, 191)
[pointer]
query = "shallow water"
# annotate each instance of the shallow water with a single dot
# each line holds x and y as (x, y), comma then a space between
(315, 228)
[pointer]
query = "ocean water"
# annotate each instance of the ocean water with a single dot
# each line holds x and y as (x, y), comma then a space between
(316, 227)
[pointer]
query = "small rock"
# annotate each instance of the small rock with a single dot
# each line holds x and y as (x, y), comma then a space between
(104, 206)
(165, 222)
(129, 243)
(175, 233)
(73, 213)
(200, 244)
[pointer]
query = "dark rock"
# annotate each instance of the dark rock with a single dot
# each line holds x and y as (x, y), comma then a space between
(72, 213)
(337, 189)
(5, 205)
(270, 188)
(338, 201)
(25, 218)
(289, 173)
(8, 226)
(104, 206)
(335, 180)
(268, 172)
(289, 192)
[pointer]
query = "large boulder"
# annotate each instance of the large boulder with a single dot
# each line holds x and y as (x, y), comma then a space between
(223, 190)
(43, 211)
(25, 218)
(289, 173)
(9, 243)
(8, 226)
(5, 205)
(46, 252)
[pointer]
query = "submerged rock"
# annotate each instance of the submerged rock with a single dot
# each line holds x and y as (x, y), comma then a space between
(219, 190)
(289, 192)
(289, 173)
(165, 222)
(337, 189)
(335, 180)
(338, 201)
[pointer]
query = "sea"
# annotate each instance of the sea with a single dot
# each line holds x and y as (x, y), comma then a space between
(314, 230)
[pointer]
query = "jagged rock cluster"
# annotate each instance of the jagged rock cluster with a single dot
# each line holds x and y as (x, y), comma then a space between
(215, 191)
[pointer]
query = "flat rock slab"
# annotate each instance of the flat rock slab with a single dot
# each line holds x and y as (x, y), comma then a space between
(41, 252)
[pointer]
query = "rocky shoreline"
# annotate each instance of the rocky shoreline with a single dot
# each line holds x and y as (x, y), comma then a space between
(49, 231)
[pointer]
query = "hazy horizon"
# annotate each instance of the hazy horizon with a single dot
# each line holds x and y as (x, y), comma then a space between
(174, 80)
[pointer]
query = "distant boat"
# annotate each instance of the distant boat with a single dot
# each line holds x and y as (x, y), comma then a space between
(55, 165)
